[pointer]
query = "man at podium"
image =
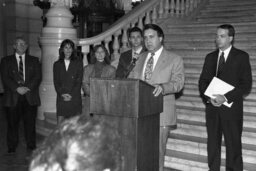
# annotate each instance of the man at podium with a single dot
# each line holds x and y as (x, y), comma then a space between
(164, 70)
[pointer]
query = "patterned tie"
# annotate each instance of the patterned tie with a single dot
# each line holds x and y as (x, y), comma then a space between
(21, 69)
(149, 68)
(221, 64)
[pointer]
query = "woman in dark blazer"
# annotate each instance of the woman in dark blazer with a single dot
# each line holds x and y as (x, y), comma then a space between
(67, 78)
(99, 68)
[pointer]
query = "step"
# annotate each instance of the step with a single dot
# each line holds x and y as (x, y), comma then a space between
(196, 101)
(196, 148)
(230, 4)
(224, 14)
(248, 138)
(197, 117)
(225, 20)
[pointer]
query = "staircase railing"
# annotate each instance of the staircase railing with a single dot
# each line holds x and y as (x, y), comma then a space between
(150, 11)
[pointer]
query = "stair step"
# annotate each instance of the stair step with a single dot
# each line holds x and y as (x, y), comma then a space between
(248, 138)
(197, 117)
(225, 13)
(231, 4)
(226, 19)
(192, 162)
(249, 156)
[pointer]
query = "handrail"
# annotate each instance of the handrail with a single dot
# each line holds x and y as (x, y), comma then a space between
(149, 11)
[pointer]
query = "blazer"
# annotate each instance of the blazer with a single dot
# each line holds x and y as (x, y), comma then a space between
(11, 80)
(237, 72)
(169, 72)
(124, 62)
(70, 82)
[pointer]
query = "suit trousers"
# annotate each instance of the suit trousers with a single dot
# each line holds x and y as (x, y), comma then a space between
(14, 114)
(232, 131)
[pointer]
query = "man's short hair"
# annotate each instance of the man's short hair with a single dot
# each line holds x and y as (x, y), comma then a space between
(80, 143)
(155, 27)
(229, 27)
(134, 29)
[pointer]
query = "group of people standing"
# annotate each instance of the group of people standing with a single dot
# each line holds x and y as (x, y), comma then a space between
(147, 60)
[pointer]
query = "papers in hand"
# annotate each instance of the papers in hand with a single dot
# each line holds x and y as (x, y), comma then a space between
(217, 86)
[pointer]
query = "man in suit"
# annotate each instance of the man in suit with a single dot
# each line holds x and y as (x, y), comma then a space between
(232, 66)
(128, 58)
(164, 70)
(21, 77)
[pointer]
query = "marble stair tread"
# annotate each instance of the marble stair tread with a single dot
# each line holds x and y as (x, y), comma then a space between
(200, 131)
(225, 20)
(198, 118)
(191, 147)
(44, 128)
(197, 25)
(190, 89)
(231, 12)
(231, 4)
(187, 165)
(192, 162)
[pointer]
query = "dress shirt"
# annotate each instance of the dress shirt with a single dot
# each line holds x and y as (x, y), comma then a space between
(156, 57)
(226, 53)
(67, 62)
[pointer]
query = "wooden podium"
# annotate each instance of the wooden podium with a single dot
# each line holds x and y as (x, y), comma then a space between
(131, 104)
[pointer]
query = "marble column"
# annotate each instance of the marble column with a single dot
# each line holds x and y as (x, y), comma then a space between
(59, 27)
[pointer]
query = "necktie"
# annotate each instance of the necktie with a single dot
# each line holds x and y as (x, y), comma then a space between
(21, 69)
(221, 64)
(149, 68)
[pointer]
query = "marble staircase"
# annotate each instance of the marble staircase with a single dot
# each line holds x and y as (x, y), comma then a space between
(186, 147)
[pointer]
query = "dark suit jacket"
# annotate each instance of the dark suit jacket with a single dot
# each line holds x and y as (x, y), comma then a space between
(237, 72)
(124, 62)
(69, 82)
(11, 79)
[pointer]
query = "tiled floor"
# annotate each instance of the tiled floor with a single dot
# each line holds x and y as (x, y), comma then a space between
(14, 162)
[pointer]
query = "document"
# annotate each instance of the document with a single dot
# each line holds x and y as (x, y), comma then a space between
(217, 86)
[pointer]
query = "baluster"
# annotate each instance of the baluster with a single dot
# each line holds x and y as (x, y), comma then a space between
(116, 47)
(177, 9)
(133, 25)
(182, 8)
(140, 23)
(172, 7)
(147, 19)
(187, 6)
(160, 10)
(191, 5)
(85, 51)
(106, 43)
(124, 39)
(166, 8)
(154, 15)
(195, 4)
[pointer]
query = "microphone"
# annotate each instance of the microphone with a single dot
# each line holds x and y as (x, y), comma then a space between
(132, 65)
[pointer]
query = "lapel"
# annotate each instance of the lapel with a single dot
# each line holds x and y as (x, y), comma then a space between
(161, 61)
(14, 63)
(140, 65)
(26, 65)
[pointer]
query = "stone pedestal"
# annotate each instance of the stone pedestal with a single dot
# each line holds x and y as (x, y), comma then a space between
(58, 27)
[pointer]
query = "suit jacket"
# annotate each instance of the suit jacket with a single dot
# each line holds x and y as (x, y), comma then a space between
(237, 72)
(169, 72)
(124, 63)
(70, 82)
(11, 79)
(89, 72)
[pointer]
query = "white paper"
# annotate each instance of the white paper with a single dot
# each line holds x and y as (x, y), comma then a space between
(217, 86)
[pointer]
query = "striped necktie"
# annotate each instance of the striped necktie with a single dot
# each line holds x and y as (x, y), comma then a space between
(149, 68)
(21, 74)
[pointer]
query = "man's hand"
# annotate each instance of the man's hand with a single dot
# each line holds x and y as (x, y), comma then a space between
(22, 90)
(218, 100)
(66, 97)
(158, 89)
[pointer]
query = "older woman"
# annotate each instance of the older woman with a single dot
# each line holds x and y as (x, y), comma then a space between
(100, 68)
(67, 78)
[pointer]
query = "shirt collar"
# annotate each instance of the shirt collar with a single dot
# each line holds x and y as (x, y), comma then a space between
(226, 52)
(137, 51)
